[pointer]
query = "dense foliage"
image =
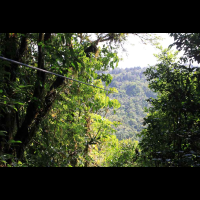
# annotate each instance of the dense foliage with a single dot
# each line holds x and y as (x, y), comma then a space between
(133, 93)
(47, 120)
(172, 134)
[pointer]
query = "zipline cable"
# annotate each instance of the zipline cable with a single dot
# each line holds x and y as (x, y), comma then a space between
(19, 63)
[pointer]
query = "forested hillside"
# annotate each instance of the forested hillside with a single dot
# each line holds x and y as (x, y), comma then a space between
(60, 106)
(133, 93)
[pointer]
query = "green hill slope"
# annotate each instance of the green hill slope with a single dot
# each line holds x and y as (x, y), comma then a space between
(133, 92)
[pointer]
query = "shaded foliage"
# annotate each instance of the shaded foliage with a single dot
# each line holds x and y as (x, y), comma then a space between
(172, 134)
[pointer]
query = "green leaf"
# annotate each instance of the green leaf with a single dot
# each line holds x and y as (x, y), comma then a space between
(72, 64)
(1, 91)
(19, 162)
(24, 86)
(13, 141)
(19, 103)
(2, 133)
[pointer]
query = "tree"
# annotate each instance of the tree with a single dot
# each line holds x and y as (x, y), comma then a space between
(27, 96)
(172, 133)
(189, 43)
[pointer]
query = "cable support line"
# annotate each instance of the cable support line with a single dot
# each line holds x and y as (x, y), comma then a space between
(45, 71)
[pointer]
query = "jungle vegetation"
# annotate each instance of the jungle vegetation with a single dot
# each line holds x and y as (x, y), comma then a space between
(49, 121)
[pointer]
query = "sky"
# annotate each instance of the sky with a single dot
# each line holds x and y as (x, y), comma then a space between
(142, 55)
